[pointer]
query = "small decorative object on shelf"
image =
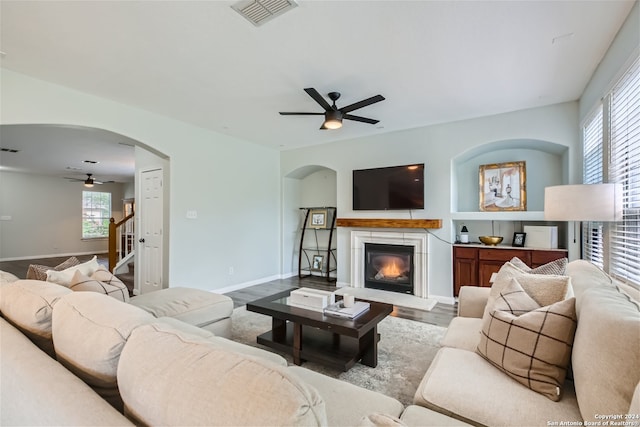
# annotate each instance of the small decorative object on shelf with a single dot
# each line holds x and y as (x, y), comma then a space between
(518, 239)
(464, 235)
(317, 255)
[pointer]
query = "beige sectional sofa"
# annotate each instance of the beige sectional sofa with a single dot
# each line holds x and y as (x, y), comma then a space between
(115, 363)
(605, 362)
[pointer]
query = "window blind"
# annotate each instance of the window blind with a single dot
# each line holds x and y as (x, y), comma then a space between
(592, 232)
(624, 168)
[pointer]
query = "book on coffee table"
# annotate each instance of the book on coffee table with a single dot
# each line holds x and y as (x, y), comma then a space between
(339, 310)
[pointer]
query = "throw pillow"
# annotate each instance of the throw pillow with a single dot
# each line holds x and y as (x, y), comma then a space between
(64, 277)
(534, 348)
(39, 272)
(557, 267)
(515, 300)
(114, 287)
(544, 289)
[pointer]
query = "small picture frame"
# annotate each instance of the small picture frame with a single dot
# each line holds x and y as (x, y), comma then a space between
(518, 239)
(317, 218)
(317, 263)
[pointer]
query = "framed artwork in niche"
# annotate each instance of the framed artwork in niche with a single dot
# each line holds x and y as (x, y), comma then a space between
(503, 187)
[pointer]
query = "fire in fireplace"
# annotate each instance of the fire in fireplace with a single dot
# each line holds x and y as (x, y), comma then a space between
(389, 267)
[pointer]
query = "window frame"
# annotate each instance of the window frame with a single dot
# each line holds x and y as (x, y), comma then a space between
(615, 246)
(100, 218)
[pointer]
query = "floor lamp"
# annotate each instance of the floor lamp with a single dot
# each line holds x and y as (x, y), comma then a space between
(583, 202)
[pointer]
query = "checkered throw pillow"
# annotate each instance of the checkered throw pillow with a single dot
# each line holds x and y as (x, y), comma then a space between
(533, 348)
(513, 299)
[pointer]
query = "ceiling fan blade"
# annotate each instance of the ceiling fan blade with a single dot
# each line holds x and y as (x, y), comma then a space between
(360, 119)
(362, 103)
(318, 98)
(73, 179)
(300, 114)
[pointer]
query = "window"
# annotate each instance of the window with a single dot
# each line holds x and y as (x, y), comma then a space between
(593, 232)
(96, 212)
(611, 139)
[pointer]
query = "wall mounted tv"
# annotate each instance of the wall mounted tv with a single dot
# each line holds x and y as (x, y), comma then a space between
(396, 187)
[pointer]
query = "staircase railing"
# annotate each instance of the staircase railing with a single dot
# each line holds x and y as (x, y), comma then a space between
(124, 232)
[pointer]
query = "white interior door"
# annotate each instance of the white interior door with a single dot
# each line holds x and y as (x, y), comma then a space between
(150, 241)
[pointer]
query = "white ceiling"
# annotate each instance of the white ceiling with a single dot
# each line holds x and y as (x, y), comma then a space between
(202, 63)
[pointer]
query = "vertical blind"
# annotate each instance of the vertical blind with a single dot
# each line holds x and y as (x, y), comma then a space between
(624, 168)
(592, 232)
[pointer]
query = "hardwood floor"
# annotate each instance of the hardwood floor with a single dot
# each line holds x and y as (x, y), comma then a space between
(441, 314)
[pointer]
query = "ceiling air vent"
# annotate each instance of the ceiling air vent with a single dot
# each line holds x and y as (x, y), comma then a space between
(9, 150)
(260, 11)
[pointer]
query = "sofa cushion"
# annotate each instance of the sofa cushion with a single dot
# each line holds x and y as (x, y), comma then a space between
(347, 403)
(102, 281)
(585, 275)
(89, 331)
(606, 356)
(380, 420)
(533, 348)
(544, 289)
(222, 343)
(463, 333)
(39, 272)
(63, 277)
(28, 305)
(194, 306)
(464, 385)
(188, 381)
(556, 267)
(6, 277)
(38, 391)
(415, 415)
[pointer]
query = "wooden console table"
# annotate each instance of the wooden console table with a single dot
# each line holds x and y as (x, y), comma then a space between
(473, 265)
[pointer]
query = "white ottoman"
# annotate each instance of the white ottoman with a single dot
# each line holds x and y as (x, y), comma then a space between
(196, 307)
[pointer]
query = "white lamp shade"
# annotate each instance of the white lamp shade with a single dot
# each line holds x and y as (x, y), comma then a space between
(585, 202)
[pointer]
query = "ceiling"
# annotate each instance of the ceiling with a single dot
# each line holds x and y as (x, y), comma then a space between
(203, 63)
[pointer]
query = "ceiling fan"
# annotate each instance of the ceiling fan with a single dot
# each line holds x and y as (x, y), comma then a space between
(333, 115)
(89, 182)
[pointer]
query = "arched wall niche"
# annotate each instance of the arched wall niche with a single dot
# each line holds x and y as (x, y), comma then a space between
(306, 186)
(546, 164)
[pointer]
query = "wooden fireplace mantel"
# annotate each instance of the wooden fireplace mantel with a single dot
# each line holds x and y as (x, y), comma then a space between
(388, 223)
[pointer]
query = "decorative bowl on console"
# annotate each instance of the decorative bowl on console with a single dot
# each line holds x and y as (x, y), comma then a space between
(491, 240)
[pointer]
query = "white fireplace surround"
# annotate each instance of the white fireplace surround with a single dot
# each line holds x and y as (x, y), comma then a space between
(420, 250)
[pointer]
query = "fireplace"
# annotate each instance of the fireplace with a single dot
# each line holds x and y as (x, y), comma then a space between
(389, 267)
(416, 241)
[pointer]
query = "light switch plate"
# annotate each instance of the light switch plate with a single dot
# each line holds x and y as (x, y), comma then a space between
(192, 214)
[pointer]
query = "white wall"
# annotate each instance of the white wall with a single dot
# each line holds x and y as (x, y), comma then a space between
(46, 216)
(436, 146)
(234, 185)
(623, 50)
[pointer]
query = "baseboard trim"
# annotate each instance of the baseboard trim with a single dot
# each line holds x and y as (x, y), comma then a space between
(444, 300)
(245, 284)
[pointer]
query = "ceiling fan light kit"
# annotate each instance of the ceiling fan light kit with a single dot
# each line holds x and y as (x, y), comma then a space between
(333, 115)
(89, 181)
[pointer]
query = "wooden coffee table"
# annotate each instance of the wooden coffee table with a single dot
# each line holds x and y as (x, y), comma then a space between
(310, 335)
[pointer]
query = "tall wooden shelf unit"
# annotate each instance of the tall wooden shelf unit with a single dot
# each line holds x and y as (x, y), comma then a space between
(317, 240)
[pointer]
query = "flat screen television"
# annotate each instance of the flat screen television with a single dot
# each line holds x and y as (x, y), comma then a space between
(395, 187)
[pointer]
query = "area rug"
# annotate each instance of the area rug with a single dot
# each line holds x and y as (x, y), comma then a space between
(405, 351)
